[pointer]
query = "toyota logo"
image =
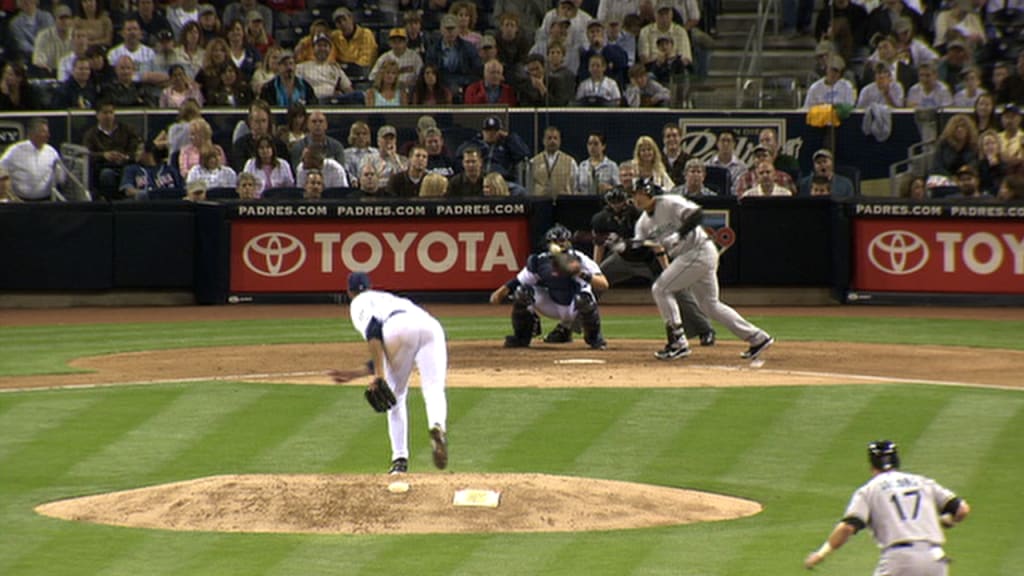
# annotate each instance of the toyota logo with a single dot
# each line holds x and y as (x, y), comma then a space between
(898, 252)
(274, 254)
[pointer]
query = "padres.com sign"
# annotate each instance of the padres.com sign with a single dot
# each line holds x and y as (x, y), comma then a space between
(286, 255)
(939, 255)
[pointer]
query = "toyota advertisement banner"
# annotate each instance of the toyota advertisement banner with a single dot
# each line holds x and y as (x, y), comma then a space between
(278, 255)
(966, 256)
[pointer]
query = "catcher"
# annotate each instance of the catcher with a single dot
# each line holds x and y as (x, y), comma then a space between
(400, 334)
(558, 283)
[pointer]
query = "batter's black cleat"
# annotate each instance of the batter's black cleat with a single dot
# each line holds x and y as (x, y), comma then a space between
(756, 350)
(598, 343)
(560, 335)
(439, 443)
(672, 351)
(707, 338)
(512, 342)
(399, 466)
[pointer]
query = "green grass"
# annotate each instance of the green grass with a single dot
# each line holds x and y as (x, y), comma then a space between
(797, 450)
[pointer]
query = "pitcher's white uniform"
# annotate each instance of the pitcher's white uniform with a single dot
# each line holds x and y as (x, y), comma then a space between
(903, 512)
(694, 265)
(410, 336)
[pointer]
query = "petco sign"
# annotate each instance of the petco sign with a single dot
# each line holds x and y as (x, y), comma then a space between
(421, 254)
(941, 255)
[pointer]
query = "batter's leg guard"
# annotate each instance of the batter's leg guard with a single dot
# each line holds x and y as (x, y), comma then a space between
(590, 317)
(525, 324)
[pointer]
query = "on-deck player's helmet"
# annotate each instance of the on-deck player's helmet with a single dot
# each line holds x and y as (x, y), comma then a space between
(883, 455)
(560, 235)
(616, 195)
(648, 186)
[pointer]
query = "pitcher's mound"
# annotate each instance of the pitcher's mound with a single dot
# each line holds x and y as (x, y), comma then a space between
(362, 504)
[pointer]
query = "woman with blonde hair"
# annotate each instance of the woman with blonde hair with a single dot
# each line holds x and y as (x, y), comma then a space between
(991, 167)
(359, 147)
(214, 60)
(267, 68)
(200, 138)
(649, 164)
(958, 145)
(433, 186)
(211, 170)
(386, 90)
(176, 136)
(495, 185)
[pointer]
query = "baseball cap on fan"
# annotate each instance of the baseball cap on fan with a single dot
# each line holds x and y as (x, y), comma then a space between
(492, 123)
(359, 282)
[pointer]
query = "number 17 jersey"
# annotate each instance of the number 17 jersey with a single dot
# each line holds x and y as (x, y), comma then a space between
(900, 507)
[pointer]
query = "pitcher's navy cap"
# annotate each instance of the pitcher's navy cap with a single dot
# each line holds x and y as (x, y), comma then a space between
(358, 282)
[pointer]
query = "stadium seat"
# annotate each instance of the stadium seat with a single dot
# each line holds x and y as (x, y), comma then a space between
(851, 172)
(338, 193)
(943, 191)
(167, 194)
(283, 193)
(222, 194)
(718, 179)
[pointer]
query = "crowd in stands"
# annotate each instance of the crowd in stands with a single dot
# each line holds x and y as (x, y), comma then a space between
(353, 52)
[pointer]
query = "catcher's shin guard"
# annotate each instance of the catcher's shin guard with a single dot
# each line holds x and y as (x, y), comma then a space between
(590, 317)
(525, 323)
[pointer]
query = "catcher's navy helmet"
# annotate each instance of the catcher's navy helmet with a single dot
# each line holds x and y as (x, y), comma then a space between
(616, 196)
(560, 235)
(883, 455)
(648, 186)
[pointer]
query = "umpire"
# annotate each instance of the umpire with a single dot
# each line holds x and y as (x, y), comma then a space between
(620, 260)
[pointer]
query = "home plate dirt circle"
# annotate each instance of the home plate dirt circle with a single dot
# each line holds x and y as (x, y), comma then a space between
(362, 504)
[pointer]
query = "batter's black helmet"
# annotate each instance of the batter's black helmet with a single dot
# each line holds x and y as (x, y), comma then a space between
(648, 186)
(883, 455)
(616, 196)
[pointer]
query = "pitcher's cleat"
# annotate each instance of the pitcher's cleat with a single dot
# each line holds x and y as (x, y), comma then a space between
(399, 466)
(439, 443)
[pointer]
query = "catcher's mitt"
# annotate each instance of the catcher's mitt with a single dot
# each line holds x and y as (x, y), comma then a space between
(379, 395)
(566, 264)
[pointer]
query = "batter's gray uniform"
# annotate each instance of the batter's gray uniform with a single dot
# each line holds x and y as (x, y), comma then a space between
(903, 512)
(411, 337)
(693, 264)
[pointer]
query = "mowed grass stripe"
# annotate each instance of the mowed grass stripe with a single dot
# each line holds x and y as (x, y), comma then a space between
(485, 424)
(515, 554)
(627, 448)
(991, 537)
(985, 415)
(233, 443)
(71, 550)
(328, 554)
(156, 443)
(787, 449)
(313, 447)
(25, 416)
(147, 549)
(563, 423)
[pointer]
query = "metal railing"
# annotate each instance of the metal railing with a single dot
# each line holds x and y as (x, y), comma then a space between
(750, 76)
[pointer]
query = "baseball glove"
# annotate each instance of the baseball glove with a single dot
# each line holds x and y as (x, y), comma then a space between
(565, 263)
(379, 395)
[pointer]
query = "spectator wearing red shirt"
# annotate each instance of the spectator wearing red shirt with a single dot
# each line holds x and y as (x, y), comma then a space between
(492, 89)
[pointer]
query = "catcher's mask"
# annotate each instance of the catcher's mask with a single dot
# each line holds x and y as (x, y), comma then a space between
(883, 455)
(358, 282)
(616, 196)
(560, 235)
(647, 186)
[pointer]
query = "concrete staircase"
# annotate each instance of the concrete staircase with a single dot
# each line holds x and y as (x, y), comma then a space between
(787, 65)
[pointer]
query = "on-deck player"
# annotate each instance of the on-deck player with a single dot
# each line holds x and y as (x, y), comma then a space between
(904, 512)
(399, 335)
(670, 224)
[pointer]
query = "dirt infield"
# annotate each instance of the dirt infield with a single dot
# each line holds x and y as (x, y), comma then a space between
(530, 502)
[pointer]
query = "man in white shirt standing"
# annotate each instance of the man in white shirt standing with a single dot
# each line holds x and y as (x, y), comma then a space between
(832, 88)
(34, 165)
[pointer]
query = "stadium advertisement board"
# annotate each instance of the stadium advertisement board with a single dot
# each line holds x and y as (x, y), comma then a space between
(938, 255)
(435, 254)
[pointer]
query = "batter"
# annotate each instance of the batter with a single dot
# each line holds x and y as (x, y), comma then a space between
(670, 225)
(906, 513)
(399, 335)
